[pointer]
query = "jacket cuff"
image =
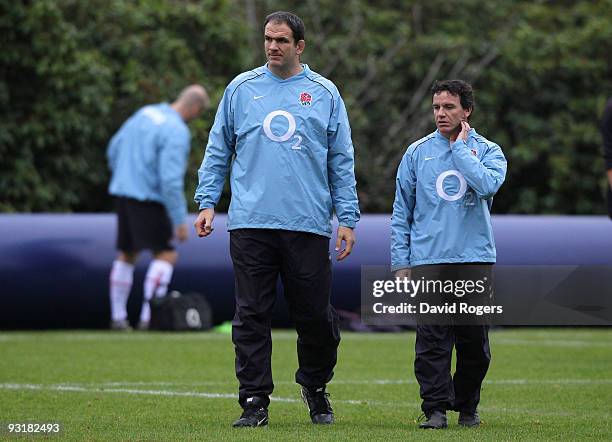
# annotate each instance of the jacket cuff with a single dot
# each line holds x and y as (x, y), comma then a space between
(396, 267)
(177, 220)
(458, 144)
(206, 205)
(346, 223)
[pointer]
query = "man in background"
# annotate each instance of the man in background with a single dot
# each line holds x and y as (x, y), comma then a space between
(606, 133)
(148, 158)
(284, 132)
(441, 231)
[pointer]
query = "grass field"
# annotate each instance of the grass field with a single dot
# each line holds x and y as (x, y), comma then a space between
(543, 384)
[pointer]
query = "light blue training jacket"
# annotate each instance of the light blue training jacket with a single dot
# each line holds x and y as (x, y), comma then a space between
(443, 198)
(288, 145)
(148, 158)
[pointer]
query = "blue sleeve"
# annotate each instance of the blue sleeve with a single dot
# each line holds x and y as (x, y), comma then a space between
(218, 156)
(341, 167)
(403, 214)
(484, 175)
(173, 154)
(113, 150)
(606, 134)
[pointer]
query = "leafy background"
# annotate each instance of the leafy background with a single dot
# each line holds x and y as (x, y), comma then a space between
(73, 71)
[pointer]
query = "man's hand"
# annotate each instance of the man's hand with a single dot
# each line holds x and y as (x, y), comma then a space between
(181, 233)
(463, 133)
(610, 178)
(403, 274)
(344, 234)
(203, 223)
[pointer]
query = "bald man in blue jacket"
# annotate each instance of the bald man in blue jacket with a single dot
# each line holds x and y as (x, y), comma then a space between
(148, 157)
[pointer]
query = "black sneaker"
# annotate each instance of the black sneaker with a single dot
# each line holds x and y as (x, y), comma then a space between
(435, 421)
(469, 419)
(254, 414)
(316, 400)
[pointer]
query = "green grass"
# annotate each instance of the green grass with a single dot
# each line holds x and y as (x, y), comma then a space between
(542, 385)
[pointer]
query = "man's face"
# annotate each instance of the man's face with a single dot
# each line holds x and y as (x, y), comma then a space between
(282, 51)
(448, 113)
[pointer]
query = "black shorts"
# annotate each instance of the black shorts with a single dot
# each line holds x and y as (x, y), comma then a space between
(142, 225)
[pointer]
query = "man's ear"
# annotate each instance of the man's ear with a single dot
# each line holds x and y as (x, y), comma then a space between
(467, 113)
(300, 47)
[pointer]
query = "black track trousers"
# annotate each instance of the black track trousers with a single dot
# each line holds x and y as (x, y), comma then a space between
(434, 348)
(432, 366)
(303, 262)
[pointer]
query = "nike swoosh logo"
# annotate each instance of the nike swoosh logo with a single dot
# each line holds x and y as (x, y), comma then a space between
(261, 421)
(429, 158)
(257, 97)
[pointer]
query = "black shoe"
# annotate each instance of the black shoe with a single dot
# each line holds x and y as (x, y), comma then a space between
(469, 419)
(435, 421)
(316, 400)
(254, 414)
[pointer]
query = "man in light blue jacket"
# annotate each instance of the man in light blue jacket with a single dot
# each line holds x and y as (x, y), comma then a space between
(148, 158)
(282, 133)
(441, 228)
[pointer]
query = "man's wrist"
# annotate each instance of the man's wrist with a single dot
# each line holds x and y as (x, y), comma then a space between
(348, 224)
(206, 206)
(395, 268)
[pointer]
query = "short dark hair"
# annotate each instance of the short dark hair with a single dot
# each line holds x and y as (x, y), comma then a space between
(459, 88)
(294, 22)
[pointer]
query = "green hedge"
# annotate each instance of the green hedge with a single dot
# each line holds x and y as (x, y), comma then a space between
(74, 70)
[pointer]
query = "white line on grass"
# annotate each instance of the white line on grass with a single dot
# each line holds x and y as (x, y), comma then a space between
(76, 388)
(537, 339)
(355, 382)
(550, 343)
(114, 336)
(81, 389)
(486, 381)
(205, 395)
(398, 404)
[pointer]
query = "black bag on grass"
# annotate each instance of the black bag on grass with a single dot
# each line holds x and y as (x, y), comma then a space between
(181, 312)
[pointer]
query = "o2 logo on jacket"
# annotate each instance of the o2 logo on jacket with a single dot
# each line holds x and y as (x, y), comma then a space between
(440, 185)
(267, 127)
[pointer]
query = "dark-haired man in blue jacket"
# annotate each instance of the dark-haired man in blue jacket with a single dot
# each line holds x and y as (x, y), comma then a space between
(441, 228)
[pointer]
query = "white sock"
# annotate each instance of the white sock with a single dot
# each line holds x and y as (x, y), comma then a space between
(156, 283)
(121, 277)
